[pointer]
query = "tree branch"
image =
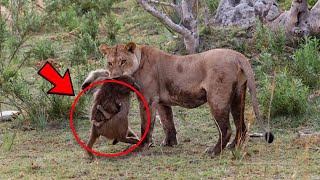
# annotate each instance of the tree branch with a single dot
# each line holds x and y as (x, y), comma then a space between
(316, 7)
(164, 18)
(314, 20)
(174, 6)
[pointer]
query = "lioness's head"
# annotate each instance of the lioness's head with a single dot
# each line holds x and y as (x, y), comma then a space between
(121, 59)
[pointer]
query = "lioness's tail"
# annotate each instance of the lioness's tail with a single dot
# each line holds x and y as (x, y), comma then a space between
(246, 67)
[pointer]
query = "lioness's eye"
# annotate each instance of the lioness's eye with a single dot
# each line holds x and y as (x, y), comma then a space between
(123, 62)
(110, 64)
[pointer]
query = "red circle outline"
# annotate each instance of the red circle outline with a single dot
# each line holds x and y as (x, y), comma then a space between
(109, 154)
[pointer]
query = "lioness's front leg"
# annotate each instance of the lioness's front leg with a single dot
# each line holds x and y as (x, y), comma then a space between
(166, 117)
(147, 141)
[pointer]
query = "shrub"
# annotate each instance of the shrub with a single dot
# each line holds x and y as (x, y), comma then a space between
(101, 6)
(269, 41)
(307, 62)
(266, 64)
(212, 5)
(8, 140)
(112, 26)
(68, 19)
(43, 50)
(89, 24)
(41, 109)
(84, 48)
(71, 13)
(19, 88)
(290, 95)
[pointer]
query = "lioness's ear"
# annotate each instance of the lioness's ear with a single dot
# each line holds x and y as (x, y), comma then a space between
(104, 48)
(130, 47)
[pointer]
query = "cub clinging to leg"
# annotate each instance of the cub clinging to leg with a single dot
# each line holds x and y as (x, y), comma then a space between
(109, 112)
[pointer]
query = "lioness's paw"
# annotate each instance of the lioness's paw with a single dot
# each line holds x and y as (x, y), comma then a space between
(169, 142)
(231, 146)
(209, 151)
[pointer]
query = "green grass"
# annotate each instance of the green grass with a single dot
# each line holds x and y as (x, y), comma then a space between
(55, 153)
(51, 151)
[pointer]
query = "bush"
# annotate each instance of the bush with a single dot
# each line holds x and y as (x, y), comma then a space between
(213, 5)
(269, 41)
(19, 88)
(68, 19)
(112, 26)
(43, 50)
(290, 95)
(8, 140)
(101, 6)
(39, 107)
(307, 62)
(83, 14)
(89, 24)
(266, 65)
(84, 48)
(82, 7)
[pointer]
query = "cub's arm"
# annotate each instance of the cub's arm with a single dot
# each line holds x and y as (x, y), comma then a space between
(106, 115)
(124, 109)
(104, 112)
(95, 76)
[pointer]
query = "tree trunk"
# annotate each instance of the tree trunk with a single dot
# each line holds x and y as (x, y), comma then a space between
(191, 43)
(294, 21)
(189, 21)
(188, 12)
(314, 20)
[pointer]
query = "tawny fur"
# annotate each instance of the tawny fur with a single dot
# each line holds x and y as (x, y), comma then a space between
(218, 77)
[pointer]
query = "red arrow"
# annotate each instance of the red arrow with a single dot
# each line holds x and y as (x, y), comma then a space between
(62, 85)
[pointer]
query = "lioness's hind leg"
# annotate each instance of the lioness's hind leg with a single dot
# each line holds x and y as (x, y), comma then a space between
(237, 110)
(220, 110)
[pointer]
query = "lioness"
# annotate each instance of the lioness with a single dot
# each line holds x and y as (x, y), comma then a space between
(217, 76)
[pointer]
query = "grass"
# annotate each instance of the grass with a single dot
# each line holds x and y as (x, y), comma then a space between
(55, 153)
(52, 151)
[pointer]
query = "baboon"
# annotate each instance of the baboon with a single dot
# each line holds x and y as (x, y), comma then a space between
(109, 112)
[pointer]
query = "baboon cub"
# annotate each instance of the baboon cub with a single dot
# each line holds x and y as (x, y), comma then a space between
(110, 109)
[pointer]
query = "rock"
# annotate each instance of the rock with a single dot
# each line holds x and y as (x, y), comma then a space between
(8, 115)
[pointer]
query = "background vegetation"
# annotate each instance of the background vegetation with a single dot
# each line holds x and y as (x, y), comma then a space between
(68, 34)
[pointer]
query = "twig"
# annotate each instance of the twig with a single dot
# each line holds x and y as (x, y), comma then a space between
(253, 135)
(311, 134)
(23, 61)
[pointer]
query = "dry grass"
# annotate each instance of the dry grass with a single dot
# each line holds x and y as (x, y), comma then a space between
(55, 153)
